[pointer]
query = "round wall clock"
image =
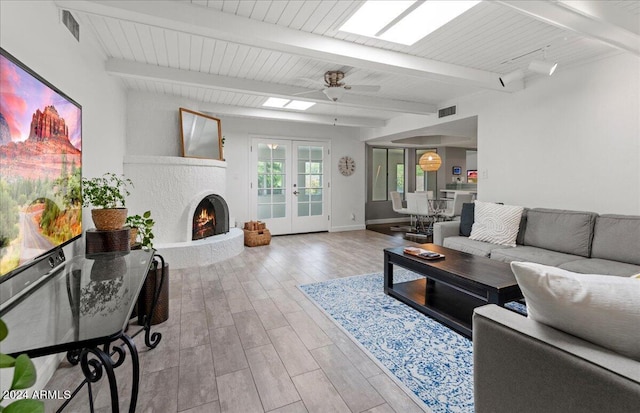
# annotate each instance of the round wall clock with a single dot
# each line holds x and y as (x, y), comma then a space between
(346, 165)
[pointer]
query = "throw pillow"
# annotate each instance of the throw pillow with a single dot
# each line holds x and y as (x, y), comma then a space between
(497, 224)
(602, 309)
(466, 219)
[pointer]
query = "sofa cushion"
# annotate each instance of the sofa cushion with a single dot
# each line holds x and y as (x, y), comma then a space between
(600, 266)
(570, 232)
(522, 228)
(470, 246)
(496, 223)
(533, 254)
(466, 218)
(617, 238)
(598, 308)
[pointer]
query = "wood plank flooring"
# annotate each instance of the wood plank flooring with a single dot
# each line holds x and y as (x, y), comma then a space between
(242, 338)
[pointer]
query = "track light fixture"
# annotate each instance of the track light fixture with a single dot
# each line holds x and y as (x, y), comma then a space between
(511, 77)
(543, 67)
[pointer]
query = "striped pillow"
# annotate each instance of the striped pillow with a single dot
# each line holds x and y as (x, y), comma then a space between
(495, 223)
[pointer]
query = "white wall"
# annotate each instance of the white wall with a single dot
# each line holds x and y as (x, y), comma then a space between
(567, 141)
(32, 32)
(153, 129)
(570, 141)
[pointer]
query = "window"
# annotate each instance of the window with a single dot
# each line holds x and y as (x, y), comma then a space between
(387, 173)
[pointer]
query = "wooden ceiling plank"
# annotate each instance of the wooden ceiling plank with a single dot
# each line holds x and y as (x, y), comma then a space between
(570, 16)
(210, 23)
(125, 68)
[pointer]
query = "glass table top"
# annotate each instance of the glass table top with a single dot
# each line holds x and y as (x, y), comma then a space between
(89, 300)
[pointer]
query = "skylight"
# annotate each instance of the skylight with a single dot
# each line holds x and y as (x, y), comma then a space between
(288, 104)
(404, 22)
(299, 105)
(276, 102)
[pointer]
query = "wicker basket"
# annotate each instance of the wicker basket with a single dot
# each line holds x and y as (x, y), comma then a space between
(257, 238)
(109, 219)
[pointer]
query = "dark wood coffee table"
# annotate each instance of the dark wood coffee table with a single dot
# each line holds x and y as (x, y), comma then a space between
(453, 286)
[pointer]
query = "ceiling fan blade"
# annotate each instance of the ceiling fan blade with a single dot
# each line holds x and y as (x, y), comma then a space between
(307, 92)
(364, 88)
(308, 79)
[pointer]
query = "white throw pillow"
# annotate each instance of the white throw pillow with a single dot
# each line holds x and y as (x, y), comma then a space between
(602, 309)
(495, 223)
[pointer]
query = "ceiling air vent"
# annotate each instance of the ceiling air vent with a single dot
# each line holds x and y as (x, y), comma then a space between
(451, 110)
(71, 23)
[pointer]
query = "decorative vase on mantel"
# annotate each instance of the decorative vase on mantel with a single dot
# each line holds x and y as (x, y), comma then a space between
(109, 219)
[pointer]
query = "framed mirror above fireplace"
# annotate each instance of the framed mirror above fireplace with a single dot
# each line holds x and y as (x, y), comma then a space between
(201, 135)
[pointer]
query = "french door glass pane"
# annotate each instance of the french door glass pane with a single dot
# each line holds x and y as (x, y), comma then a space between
(271, 181)
(309, 180)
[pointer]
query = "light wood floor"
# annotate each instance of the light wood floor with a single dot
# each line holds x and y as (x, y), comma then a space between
(242, 338)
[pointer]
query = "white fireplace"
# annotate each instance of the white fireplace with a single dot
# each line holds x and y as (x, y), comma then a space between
(171, 188)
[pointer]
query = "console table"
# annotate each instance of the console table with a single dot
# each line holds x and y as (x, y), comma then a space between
(84, 309)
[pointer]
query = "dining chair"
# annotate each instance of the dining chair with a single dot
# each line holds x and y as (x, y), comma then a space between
(456, 205)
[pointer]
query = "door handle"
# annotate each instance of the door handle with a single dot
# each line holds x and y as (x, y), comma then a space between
(295, 192)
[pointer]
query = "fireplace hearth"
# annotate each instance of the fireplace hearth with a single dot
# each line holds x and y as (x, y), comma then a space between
(210, 218)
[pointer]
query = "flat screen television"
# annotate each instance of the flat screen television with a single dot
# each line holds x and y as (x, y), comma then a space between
(472, 176)
(40, 167)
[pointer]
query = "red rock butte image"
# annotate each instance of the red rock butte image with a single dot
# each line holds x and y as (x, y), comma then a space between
(48, 124)
(48, 142)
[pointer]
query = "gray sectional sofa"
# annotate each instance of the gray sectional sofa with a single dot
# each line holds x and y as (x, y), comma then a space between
(577, 241)
(525, 366)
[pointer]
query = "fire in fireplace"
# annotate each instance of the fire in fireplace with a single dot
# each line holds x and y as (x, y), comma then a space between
(211, 217)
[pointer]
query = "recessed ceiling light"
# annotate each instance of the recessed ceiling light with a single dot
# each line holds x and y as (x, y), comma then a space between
(299, 105)
(276, 102)
(418, 22)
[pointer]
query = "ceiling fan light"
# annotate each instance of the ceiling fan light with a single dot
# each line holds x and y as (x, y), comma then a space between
(334, 93)
(543, 67)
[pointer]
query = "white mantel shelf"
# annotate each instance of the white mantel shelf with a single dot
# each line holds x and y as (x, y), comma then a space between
(173, 160)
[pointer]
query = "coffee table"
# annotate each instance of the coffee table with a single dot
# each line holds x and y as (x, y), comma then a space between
(453, 286)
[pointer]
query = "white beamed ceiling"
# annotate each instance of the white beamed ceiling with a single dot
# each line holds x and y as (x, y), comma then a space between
(234, 54)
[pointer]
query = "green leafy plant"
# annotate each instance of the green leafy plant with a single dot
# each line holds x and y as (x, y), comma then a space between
(144, 224)
(108, 191)
(24, 376)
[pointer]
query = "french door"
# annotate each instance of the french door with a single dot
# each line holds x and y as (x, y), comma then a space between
(289, 188)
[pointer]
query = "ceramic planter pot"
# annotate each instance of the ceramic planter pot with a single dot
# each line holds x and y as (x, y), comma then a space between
(109, 219)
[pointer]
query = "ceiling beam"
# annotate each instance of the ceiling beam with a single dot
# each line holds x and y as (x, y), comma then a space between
(595, 20)
(134, 70)
(211, 23)
(219, 109)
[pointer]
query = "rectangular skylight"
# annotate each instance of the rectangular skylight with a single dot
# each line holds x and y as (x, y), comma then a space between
(299, 105)
(288, 104)
(276, 102)
(374, 16)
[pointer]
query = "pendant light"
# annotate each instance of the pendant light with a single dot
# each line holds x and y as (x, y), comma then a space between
(430, 162)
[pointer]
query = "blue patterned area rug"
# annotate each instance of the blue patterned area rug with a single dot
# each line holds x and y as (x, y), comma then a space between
(432, 361)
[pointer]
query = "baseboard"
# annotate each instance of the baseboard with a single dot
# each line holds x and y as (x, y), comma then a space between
(386, 221)
(347, 228)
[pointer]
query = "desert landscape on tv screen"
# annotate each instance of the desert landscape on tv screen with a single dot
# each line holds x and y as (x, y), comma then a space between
(40, 167)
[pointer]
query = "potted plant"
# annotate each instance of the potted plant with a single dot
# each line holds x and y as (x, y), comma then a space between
(107, 195)
(141, 229)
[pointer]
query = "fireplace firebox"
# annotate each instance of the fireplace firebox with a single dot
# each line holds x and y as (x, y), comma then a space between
(210, 218)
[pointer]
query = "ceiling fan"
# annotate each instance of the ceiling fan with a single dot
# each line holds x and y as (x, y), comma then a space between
(334, 86)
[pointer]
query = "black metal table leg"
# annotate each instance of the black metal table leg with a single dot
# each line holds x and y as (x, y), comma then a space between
(92, 368)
